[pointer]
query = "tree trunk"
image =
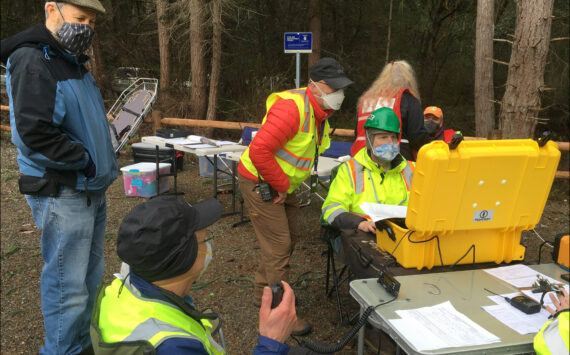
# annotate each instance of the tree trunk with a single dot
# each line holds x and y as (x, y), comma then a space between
(521, 103)
(389, 34)
(484, 94)
(315, 28)
(216, 58)
(163, 42)
(198, 99)
(95, 65)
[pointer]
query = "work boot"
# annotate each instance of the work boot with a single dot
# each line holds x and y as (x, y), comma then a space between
(302, 327)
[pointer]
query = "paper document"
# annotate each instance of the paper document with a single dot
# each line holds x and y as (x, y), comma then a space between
(518, 275)
(378, 211)
(518, 321)
(220, 143)
(193, 139)
(199, 146)
(440, 326)
(179, 140)
(547, 301)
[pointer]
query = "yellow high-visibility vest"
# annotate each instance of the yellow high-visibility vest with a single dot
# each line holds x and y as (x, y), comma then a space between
(361, 180)
(125, 316)
(552, 339)
(296, 157)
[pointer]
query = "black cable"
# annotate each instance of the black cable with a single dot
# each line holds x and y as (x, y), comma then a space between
(540, 249)
(410, 232)
(327, 349)
(464, 255)
(428, 240)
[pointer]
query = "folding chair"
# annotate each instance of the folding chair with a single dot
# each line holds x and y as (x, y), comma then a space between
(128, 112)
(330, 235)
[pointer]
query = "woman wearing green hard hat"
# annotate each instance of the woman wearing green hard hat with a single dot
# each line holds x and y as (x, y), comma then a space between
(378, 173)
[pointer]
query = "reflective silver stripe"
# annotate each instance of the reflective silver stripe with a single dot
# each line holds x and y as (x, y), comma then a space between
(214, 344)
(553, 339)
(360, 138)
(359, 183)
(297, 91)
(373, 187)
(332, 205)
(299, 163)
(408, 175)
(349, 175)
(152, 326)
(403, 140)
(335, 214)
(307, 123)
(363, 118)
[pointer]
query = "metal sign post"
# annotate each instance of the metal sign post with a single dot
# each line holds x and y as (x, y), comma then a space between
(298, 42)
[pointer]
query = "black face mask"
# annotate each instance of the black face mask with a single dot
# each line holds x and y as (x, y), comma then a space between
(433, 128)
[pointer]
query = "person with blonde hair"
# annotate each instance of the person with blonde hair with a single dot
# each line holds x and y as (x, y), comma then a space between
(396, 88)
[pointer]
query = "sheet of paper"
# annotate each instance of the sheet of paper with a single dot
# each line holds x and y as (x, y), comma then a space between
(547, 300)
(179, 140)
(193, 139)
(220, 143)
(422, 338)
(444, 326)
(518, 321)
(199, 146)
(378, 211)
(518, 275)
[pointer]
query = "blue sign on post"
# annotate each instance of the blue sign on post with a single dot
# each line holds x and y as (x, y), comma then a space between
(298, 42)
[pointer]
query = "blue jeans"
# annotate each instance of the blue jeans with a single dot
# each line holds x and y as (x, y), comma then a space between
(73, 235)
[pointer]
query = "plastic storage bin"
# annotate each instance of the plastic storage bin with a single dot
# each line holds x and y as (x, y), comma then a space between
(477, 199)
(207, 167)
(140, 179)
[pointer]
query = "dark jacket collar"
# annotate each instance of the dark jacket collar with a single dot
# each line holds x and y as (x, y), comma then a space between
(37, 36)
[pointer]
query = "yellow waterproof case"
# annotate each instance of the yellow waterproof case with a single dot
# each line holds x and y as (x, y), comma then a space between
(472, 202)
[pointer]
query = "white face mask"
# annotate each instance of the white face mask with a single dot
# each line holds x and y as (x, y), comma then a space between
(331, 101)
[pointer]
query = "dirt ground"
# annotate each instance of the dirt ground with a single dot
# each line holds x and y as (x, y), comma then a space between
(227, 284)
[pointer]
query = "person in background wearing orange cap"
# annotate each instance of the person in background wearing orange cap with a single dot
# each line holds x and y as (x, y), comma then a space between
(433, 122)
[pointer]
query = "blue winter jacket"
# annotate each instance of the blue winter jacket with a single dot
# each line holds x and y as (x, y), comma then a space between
(57, 115)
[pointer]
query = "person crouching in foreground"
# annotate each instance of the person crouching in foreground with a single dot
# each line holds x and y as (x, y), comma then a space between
(164, 242)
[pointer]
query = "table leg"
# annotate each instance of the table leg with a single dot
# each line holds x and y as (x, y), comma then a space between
(361, 334)
(215, 175)
(234, 177)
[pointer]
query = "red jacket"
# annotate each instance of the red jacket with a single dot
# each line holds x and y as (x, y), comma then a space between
(281, 125)
(362, 116)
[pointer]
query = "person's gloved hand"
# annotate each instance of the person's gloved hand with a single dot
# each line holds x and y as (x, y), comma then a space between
(90, 169)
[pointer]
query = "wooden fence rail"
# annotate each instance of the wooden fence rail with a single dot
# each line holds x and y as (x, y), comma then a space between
(158, 122)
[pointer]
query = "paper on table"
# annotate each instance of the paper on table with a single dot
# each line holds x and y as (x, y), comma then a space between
(378, 211)
(220, 143)
(547, 300)
(518, 275)
(193, 139)
(443, 325)
(179, 140)
(513, 318)
(200, 146)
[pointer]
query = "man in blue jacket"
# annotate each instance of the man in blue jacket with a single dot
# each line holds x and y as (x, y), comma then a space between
(66, 162)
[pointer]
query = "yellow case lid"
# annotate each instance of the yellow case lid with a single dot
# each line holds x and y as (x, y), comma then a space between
(482, 184)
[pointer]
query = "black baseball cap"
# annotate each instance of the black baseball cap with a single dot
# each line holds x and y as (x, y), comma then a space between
(331, 72)
(157, 238)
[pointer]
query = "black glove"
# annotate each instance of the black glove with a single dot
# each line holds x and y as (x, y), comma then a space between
(90, 169)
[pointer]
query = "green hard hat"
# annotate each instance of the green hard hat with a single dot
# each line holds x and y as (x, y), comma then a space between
(384, 119)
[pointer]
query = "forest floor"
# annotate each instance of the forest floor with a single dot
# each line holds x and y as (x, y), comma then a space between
(225, 287)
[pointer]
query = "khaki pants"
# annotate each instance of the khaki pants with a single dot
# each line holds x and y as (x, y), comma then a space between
(275, 228)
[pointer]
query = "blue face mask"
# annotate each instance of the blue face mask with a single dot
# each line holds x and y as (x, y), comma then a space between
(386, 152)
